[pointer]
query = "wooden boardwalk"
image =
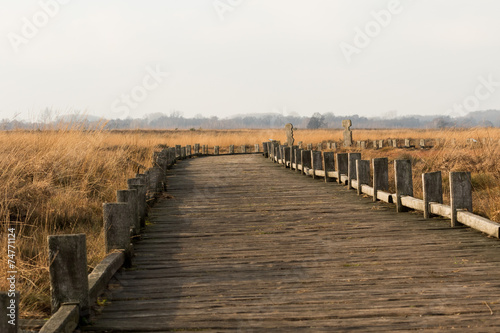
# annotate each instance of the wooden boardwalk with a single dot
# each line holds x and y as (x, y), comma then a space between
(242, 245)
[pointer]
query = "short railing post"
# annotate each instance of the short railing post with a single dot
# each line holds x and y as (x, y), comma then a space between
(243, 149)
(188, 150)
(342, 163)
(117, 228)
(309, 146)
(293, 158)
(287, 156)
(138, 184)
(298, 159)
(432, 187)
(265, 151)
(395, 143)
(460, 194)
(317, 162)
(68, 272)
(231, 149)
(196, 148)
(257, 148)
(363, 174)
(320, 146)
(177, 151)
(9, 302)
(380, 175)
(329, 163)
(130, 197)
(351, 172)
(305, 160)
(404, 182)
(183, 153)
(381, 144)
(272, 152)
(204, 150)
(216, 150)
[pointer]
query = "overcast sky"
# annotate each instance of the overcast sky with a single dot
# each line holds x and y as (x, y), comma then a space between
(121, 58)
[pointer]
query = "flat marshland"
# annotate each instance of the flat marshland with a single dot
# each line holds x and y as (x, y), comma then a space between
(55, 182)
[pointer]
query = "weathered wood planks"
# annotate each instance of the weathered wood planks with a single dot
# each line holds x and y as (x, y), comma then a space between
(240, 245)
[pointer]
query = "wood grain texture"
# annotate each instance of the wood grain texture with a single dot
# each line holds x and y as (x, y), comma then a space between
(240, 245)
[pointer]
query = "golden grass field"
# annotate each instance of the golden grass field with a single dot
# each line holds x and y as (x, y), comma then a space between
(55, 182)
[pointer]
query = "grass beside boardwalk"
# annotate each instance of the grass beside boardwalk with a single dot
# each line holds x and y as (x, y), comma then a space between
(55, 182)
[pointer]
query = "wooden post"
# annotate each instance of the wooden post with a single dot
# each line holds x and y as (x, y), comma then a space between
(117, 228)
(342, 161)
(171, 156)
(177, 151)
(183, 153)
(363, 174)
(432, 186)
(381, 144)
(231, 149)
(203, 150)
(351, 171)
(422, 143)
(257, 148)
(243, 149)
(279, 153)
(320, 146)
(460, 194)
(196, 148)
(130, 197)
(317, 162)
(305, 160)
(334, 145)
(188, 150)
(265, 151)
(272, 151)
(404, 182)
(298, 158)
(363, 145)
(309, 146)
(68, 272)
(294, 158)
(138, 184)
(287, 155)
(216, 150)
(9, 315)
(329, 163)
(407, 143)
(380, 175)
(275, 150)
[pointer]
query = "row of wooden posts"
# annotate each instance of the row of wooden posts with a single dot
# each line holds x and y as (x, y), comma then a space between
(372, 178)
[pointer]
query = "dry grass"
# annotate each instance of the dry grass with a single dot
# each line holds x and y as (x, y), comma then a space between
(56, 181)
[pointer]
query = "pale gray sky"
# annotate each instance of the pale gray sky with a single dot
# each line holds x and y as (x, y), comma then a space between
(249, 56)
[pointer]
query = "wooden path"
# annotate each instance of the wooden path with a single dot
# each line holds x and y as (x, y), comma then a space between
(242, 245)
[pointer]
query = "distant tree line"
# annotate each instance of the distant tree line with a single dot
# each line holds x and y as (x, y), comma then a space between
(175, 120)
